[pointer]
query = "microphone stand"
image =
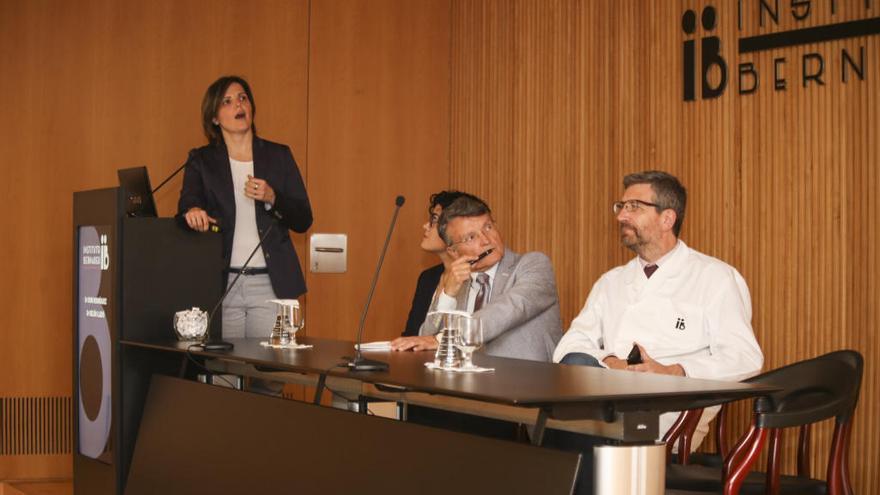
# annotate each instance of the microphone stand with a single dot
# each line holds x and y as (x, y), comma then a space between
(358, 362)
(173, 174)
(210, 344)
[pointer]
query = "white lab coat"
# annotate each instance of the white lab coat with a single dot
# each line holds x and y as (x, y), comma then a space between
(695, 310)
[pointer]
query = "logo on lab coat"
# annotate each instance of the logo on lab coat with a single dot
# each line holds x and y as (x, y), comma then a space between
(679, 323)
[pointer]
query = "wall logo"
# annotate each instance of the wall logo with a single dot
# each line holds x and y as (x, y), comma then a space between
(710, 55)
(810, 68)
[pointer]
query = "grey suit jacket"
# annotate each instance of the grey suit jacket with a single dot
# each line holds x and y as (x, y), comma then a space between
(521, 319)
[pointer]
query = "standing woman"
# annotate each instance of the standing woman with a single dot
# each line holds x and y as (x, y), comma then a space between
(246, 186)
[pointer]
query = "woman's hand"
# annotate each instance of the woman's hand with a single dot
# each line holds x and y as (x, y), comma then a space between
(421, 343)
(198, 219)
(259, 190)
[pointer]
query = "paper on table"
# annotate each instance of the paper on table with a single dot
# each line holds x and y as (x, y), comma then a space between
(474, 369)
(286, 346)
(384, 345)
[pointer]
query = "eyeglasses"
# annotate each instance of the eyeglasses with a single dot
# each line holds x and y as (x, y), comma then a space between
(631, 206)
(487, 228)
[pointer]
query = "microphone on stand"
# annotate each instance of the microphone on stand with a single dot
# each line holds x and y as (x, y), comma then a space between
(210, 343)
(214, 227)
(358, 362)
(173, 174)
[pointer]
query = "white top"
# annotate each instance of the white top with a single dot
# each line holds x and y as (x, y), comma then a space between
(446, 302)
(246, 236)
(695, 311)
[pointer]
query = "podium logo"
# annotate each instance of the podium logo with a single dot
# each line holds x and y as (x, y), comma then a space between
(105, 253)
(710, 55)
(97, 254)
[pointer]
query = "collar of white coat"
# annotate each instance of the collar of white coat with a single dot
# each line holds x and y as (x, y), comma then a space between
(669, 264)
(663, 259)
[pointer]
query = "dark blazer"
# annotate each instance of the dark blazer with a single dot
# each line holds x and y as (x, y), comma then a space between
(207, 183)
(425, 287)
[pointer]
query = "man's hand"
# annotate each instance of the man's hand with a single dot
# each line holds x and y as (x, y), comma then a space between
(421, 343)
(650, 366)
(457, 273)
(615, 363)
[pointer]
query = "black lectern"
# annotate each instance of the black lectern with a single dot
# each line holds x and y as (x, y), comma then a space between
(130, 276)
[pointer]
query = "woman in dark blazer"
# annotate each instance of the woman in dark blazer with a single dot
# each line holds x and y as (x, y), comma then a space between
(250, 188)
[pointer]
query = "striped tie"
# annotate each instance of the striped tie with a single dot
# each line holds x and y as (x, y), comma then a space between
(483, 293)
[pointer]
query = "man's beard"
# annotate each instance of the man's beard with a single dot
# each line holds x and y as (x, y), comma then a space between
(632, 239)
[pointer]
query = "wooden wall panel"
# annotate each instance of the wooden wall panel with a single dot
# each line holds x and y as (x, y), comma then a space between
(542, 110)
(378, 128)
(553, 102)
(98, 85)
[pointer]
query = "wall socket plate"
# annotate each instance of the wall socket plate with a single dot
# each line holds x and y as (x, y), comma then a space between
(328, 253)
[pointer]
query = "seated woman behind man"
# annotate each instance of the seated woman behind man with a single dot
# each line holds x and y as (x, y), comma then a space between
(431, 278)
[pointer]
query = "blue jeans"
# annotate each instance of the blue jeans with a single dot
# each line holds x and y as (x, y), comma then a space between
(580, 359)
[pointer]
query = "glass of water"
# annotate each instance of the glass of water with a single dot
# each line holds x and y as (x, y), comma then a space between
(296, 320)
(470, 338)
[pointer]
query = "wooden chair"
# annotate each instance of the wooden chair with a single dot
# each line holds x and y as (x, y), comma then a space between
(812, 390)
(682, 432)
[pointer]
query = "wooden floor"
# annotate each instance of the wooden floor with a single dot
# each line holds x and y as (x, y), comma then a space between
(53, 487)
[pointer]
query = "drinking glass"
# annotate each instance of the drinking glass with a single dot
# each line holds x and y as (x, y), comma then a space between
(297, 321)
(470, 338)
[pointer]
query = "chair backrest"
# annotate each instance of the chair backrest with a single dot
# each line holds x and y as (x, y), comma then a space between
(812, 390)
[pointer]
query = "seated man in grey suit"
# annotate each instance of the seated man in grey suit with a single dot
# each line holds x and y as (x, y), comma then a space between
(513, 294)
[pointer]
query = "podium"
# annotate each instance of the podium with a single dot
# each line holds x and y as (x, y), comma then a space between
(130, 276)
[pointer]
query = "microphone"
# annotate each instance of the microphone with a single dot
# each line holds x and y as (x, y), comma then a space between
(211, 344)
(358, 362)
(173, 174)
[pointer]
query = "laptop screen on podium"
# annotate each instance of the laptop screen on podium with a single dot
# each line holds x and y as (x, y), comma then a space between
(139, 195)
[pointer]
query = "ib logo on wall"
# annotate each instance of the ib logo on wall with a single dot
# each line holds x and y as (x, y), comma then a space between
(710, 56)
(702, 43)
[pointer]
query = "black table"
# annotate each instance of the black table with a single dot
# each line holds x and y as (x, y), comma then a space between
(631, 401)
(558, 391)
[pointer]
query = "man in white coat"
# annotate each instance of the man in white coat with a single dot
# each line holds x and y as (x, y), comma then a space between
(688, 313)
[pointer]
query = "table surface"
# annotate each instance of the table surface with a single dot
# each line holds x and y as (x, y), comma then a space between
(572, 391)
